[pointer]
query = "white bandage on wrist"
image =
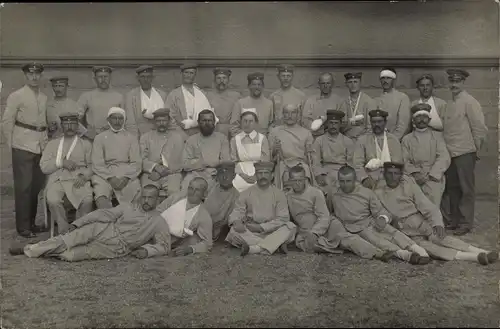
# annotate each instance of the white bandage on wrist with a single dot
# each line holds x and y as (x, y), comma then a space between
(387, 220)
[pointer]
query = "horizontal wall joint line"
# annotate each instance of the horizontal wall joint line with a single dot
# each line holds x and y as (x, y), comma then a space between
(305, 61)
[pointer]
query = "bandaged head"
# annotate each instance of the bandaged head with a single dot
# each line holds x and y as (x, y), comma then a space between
(119, 111)
(388, 73)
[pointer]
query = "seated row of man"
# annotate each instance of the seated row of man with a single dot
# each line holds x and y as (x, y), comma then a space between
(260, 221)
(116, 165)
(165, 157)
(423, 151)
(356, 220)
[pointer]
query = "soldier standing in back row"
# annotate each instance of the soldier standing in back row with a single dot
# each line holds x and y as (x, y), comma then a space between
(60, 104)
(222, 99)
(464, 133)
(287, 94)
(24, 124)
(95, 104)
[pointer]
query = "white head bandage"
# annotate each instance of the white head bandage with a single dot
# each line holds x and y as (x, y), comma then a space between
(249, 110)
(387, 74)
(422, 112)
(116, 110)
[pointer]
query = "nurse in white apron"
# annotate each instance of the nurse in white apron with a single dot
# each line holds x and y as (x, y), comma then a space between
(248, 147)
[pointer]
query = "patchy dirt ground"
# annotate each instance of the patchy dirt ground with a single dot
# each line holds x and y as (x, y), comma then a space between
(221, 289)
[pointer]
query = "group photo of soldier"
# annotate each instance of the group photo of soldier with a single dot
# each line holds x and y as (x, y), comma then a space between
(153, 174)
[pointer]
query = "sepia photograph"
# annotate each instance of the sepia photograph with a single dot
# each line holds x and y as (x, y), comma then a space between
(250, 164)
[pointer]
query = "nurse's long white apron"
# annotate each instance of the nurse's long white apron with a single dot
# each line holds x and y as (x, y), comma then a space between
(248, 155)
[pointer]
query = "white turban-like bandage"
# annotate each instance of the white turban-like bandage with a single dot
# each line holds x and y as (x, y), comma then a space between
(422, 112)
(116, 110)
(374, 164)
(388, 74)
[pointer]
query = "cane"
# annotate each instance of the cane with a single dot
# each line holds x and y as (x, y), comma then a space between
(277, 176)
(308, 154)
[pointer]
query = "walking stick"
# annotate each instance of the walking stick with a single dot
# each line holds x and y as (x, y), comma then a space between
(308, 154)
(277, 175)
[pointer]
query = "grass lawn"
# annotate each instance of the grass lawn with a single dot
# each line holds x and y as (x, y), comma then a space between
(222, 289)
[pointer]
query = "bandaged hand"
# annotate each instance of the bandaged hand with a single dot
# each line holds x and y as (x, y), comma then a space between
(316, 124)
(381, 222)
